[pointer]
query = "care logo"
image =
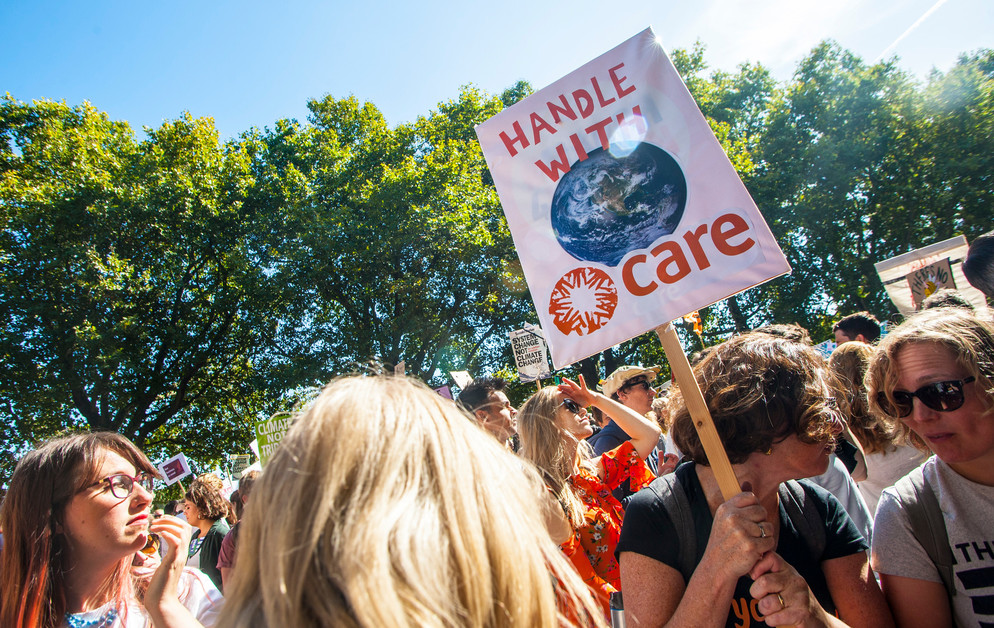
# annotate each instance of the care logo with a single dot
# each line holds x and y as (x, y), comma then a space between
(583, 301)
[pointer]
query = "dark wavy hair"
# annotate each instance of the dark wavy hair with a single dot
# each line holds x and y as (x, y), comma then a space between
(34, 557)
(760, 389)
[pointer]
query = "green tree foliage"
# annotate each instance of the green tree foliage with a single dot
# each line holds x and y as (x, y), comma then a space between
(176, 288)
(131, 288)
(404, 250)
(857, 164)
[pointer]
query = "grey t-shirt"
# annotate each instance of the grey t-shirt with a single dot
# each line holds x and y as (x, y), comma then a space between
(968, 510)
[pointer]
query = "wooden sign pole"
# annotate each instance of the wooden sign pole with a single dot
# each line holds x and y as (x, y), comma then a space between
(699, 412)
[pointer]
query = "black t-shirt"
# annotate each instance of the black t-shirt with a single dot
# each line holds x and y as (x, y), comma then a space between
(648, 530)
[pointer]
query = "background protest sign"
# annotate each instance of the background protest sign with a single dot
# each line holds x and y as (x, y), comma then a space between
(926, 280)
(461, 378)
(175, 469)
(238, 463)
(530, 355)
(898, 273)
(270, 432)
(624, 209)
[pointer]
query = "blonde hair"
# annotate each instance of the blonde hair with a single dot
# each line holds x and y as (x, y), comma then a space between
(553, 450)
(385, 506)
(968, 338)
(849, 363)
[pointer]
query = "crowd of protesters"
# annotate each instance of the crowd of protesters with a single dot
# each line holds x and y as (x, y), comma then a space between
(389, 505)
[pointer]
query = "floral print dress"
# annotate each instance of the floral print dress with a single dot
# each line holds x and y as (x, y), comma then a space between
(591, 548)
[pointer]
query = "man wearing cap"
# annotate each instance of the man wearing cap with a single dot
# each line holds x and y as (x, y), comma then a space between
(631, 386)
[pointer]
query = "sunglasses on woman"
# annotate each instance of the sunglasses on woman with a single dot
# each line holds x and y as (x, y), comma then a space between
(939, 396)
(644, 385)
(122, 484)
(571, 405)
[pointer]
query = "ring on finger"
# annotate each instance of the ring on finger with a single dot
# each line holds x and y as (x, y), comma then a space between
(783, 605)
(762, 531)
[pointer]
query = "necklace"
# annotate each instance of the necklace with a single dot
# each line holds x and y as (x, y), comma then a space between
(104, 621)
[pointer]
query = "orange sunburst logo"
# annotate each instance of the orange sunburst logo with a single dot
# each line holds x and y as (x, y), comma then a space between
(583, 301)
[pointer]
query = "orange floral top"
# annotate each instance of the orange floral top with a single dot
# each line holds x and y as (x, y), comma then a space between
(591, 548)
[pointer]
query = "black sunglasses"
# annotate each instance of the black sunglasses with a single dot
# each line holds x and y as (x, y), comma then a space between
(571, 405)
(644, 384)
(939, 396)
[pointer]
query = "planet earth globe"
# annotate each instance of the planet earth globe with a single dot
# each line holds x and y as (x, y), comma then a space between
(606, 206)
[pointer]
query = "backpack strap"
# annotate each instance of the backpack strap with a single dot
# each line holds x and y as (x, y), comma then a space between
(803, 513)
(674, 498)
(927, 525)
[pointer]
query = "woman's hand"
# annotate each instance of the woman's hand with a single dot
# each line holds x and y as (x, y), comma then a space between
(578, 392)
(740, 537)
(784, 597)
(162, 597)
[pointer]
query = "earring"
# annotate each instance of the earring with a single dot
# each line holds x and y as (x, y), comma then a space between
(769, 452)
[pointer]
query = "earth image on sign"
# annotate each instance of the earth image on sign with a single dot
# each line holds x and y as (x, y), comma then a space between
(606, 206)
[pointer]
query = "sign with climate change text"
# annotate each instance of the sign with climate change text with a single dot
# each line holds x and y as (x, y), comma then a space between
(624, 209)
(270, 432)
(530, 355)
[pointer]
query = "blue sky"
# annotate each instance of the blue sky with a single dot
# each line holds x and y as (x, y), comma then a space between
(250, 63)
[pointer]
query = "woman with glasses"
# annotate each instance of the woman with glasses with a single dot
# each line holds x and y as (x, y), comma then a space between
(553, 425)
(75, 515)
(781, 552)
(932, 378)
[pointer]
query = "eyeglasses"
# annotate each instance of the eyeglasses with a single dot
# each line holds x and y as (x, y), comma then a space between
(122, 484)
(939, 396)
(572, 406)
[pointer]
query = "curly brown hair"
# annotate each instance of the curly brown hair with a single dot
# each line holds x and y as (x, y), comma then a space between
(205, 494)
(760, 389)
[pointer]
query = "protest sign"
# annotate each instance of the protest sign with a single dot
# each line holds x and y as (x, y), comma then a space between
(461, 378)
(898, 274)
(174, 469)
(926, 280)
(238, 463)
(530, 356)
(444, 391)
(270, 432)
(826, 349)
(624, 209)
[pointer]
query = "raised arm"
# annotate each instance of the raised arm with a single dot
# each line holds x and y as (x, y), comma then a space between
(643, 433)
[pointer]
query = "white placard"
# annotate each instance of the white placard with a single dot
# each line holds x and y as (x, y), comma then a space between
(461, 378)
(530, 354)
(174, 469)
(625, 211)
(894, 272)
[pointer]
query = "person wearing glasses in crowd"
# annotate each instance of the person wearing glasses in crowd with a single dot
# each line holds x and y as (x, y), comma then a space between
(932, 378)
(75, 516)
(630, 386)
(554, 425)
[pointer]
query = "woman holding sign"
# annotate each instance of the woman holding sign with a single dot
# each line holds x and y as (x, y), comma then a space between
(779, 553)
(553, 425)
